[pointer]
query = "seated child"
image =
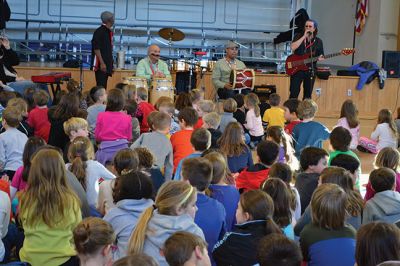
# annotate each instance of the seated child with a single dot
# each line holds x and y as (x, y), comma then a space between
(74, 127)
(158, 143)
(230, 107)
(201, 141)
(22, 106)
(349, 120)
(378, 242)
(144, 108)
(168, 107)
(312, 161)
(252, 177)
(135, 260)
(183, 248)
(12, 142)
(132, 195)
(198, 171)
(203, 107)
(253, 119)
(384, 135)
(180, 141)
(5, 216)
(308, 133)
(232, 144)
(93, 238)
(282, 197)
(284, 173)
(240, 114)
(278, 250)
(264, 105)
(228, 195)
(147, 165)
(254, 217)
(37, 117)
(291, 116)
(211, 122)
(351, 164)
(275, 115)
(130, 109)
(99, 96)
(390, 158)
(385, 204)
(328, 240)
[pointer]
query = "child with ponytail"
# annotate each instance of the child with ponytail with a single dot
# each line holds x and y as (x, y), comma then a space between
(174, 210)
(87, 171)
(286, 152)
(253, 119)
(254, 217)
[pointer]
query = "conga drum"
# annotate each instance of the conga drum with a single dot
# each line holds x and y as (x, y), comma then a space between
(180, 66)
(242, 79)
(161, 87)
(137, 81)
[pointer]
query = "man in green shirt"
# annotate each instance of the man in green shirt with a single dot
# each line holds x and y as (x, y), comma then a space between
(222, 71)
(152, 66)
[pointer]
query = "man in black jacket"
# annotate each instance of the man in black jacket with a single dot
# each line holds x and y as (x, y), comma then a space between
(102, 57)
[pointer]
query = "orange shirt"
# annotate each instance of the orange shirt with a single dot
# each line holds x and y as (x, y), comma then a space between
(181, 145)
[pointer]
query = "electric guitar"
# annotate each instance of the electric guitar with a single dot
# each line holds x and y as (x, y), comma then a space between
(295, 63)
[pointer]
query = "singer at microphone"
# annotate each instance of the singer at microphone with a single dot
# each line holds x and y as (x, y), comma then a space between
(152, 66)
(306, 43)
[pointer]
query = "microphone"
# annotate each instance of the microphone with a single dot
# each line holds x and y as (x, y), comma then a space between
(309, 33)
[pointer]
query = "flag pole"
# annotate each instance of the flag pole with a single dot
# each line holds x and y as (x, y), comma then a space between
(354, 32)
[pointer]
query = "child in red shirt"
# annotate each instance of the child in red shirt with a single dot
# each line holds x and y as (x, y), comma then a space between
(180, 141)
(251, 178)
(144, 109)
(37, 117)
(290, 107)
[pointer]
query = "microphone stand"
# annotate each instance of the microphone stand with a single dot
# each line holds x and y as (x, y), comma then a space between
(312, 70)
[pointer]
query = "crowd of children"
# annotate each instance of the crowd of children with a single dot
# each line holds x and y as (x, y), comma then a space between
(108, 178)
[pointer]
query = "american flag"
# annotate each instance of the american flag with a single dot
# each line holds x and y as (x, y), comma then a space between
(361, 16)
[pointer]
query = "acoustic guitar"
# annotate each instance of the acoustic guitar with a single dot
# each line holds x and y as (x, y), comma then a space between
(295, 63)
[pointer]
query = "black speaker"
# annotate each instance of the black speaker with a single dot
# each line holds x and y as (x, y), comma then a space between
(391, 63)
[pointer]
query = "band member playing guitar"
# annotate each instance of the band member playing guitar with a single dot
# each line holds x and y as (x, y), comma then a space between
(306, 43)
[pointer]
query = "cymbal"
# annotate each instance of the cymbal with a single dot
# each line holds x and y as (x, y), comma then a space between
(171, 34)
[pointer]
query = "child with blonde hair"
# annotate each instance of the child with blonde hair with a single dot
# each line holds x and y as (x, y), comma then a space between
(168, 107)
(49, 211)
(230, 106)
(87, 171)
(286, 152)
(22, 106)
(203, 107)
(384, 134)
(308, 133)
(174, 210)
(253, 119)
(74, 127)
(211, 122)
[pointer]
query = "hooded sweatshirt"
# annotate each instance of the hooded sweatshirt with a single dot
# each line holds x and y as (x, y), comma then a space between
(384, 206)
(123, 218)
(161, 227)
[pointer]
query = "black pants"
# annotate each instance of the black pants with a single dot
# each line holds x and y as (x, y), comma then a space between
(101, 78)
(226, 94)
(295, 83)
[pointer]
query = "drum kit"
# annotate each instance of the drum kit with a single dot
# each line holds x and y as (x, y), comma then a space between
(240, 79)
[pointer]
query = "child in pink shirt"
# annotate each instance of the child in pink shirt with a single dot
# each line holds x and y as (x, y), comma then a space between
(114, 124)
(253, 119)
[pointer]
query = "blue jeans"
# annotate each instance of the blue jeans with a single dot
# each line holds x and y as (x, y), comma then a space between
(14, 238)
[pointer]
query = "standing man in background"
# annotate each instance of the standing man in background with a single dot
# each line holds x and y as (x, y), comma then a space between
(223, 68)
(102, 54)
(152, 66)
(305, 43)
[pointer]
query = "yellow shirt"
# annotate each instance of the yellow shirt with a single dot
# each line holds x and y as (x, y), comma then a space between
(274, 116)
(44, 245)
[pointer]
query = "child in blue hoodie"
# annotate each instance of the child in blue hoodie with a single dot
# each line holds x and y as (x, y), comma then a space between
(132, 195)
(211, 215)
